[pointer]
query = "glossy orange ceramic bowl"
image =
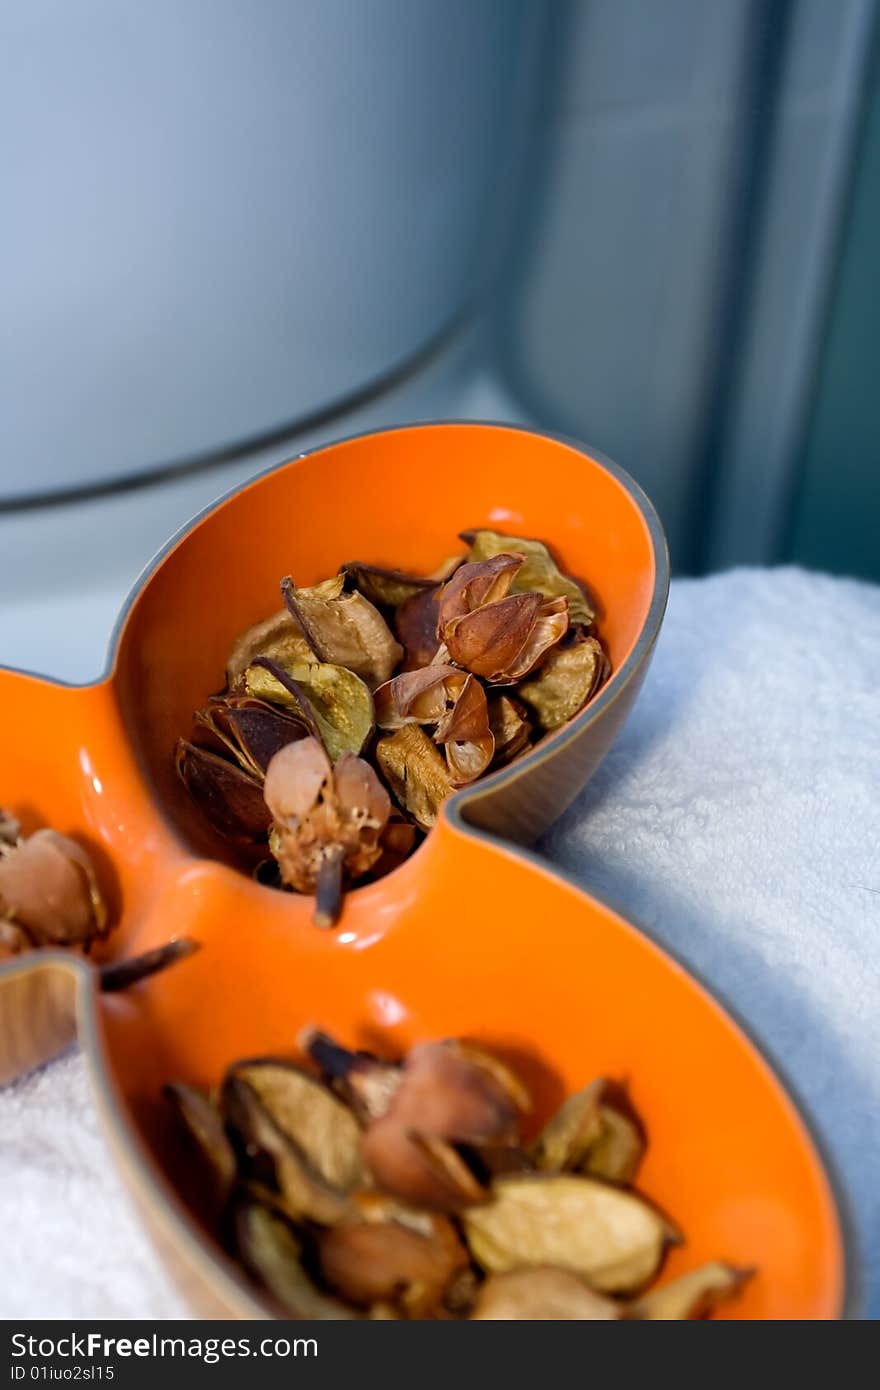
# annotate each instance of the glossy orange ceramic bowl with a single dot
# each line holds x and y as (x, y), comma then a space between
(472, 935)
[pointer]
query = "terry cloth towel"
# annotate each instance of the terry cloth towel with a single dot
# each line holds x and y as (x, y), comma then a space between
(737, 820)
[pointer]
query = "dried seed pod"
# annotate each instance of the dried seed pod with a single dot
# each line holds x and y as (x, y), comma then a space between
(510, 728)
(344, 629)
(307, 1113)
(539, 570)
(452, 700)
(693, 1295)
(465, 736)
(272, 1253)
(229, 798)
(364, 1082)
(415, 623)
(280, 638)
(303, 1192)
(474, 586)
(449, 1093)
(504, 641)
(324, 816)
(610, 1237)
(567, 680)
(617, 1150)
(387, 588)
(565, 1141)
(340, 703)
(248, 729)
(417, 774)
(388, 1258)
(49, 893)
(541, 1295)
(397, 843)
(203, 1123)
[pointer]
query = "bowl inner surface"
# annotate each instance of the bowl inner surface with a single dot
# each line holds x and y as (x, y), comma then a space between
(396, 499)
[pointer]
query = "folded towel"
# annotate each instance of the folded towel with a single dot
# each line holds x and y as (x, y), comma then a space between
(737, 820)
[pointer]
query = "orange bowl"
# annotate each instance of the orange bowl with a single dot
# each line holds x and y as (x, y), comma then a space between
(472, 935)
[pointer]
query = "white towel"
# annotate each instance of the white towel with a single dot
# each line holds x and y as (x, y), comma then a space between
(737, 819)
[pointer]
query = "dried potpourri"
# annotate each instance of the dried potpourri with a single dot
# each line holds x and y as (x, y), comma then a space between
(349, 716)
(377, 1189)
(49, 892)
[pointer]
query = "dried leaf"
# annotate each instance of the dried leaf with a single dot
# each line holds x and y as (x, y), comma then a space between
(302, 1190)
(49, 893)
(229, 798)
(321, 1126)
(203, 1122)
(320, 810)
(693, 1295)
(279, 638)
(272, 1253)
(416, 773)
(541, 1295)
(569, 677)
(344, 629)
(610, 1237)
(340, 702)
(539, 570)
(385, 1260)
(510, 728)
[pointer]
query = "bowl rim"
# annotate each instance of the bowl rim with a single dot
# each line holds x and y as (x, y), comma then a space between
(643, 505)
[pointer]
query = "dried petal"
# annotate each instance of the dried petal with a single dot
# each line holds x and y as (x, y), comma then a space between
(416, 773)
(569, 677)
(416, 625)
(272, 1253)
(510, 728)
(322, 1128)
(203, 1122)
(390, 588)
(344, 629)
(386, 1260)
(303, 1191)
(693, 1295)
(49, 892)
(320, 811)
(229, 798)
(539, 570)
(340, 702)
(541, 1295)
(610, 1237)
(279, 638)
